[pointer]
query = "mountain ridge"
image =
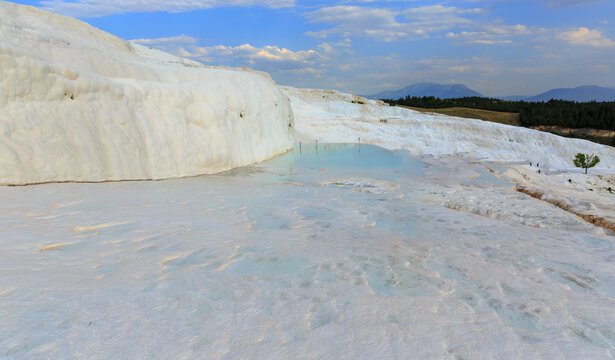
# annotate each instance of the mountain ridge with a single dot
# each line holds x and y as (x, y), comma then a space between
(442, 91)
(584, 93)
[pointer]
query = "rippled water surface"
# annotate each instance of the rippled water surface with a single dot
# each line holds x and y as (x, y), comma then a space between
(324, 252)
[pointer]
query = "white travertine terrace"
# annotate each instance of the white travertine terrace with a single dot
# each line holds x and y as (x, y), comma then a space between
(79, 104)
(385, 256)
(333, 116)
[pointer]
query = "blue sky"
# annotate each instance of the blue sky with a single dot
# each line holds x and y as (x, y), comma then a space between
(501, 47)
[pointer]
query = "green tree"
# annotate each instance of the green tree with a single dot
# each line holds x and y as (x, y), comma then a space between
(586, 161)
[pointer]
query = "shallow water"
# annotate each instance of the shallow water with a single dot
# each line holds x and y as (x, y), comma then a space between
(311, 161)
(320, 253)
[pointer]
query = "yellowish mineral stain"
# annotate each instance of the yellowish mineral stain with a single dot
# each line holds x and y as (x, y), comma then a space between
(53, 247)
(100, 226)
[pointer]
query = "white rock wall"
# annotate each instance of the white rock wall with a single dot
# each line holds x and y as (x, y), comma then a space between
(78, 104)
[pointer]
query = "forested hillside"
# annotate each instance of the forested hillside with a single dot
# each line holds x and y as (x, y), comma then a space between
(570, 114)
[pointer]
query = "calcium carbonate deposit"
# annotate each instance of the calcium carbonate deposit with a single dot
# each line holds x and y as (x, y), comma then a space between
(442, 242)
(332, 116)
(78, 104)
(327, 252)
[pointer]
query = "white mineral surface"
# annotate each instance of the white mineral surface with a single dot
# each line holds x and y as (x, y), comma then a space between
(78, 104)
(335, 253)
(332, 116)
(425, 251)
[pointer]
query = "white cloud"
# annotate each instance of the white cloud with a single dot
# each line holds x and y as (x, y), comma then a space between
(336, 48)
(491, 34)
(98, 8)
(460, 68)
(388, 24)
(587, 37)
(285, 65)
(172, 44)
(489, 42)
(267, 58)
(174, 40)
(508, 30)
(354, 20)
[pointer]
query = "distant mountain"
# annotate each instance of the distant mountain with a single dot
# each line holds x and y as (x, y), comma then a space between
(580, 94)
(427, 89)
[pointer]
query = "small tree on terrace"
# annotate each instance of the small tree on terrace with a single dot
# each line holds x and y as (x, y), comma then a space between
(586, 161)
